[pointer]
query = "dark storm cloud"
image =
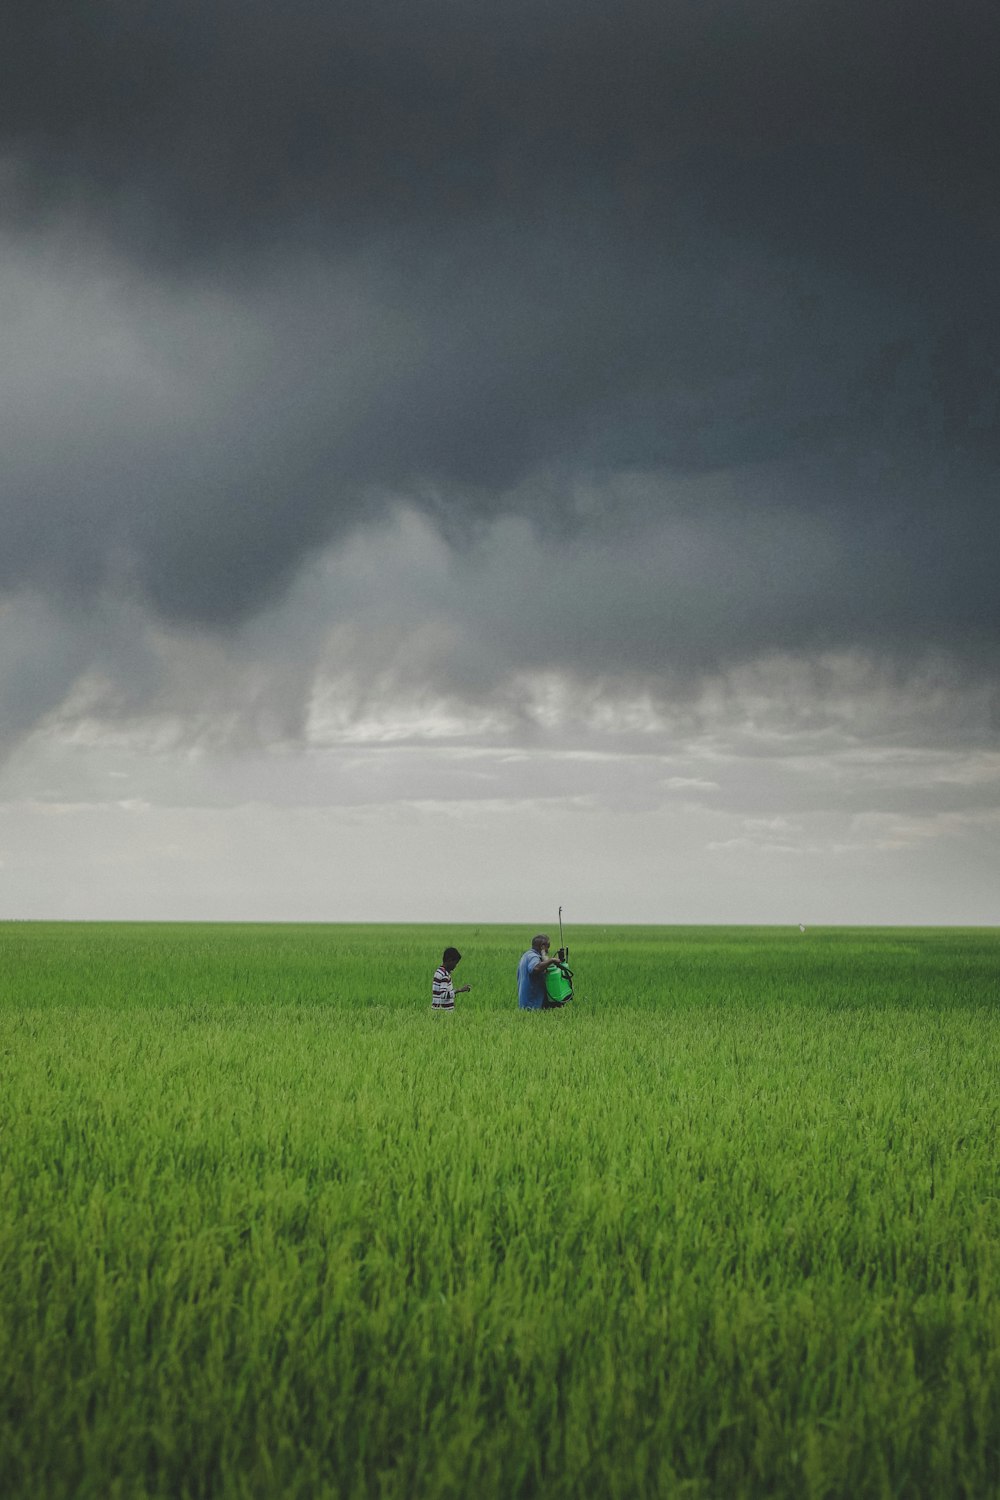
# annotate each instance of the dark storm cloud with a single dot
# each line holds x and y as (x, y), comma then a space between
(244, 113)
(473, 256)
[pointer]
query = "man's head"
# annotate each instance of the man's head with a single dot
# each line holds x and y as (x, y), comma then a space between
(540, 942)
(452, 958)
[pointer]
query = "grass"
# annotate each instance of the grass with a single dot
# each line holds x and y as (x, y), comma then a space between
(727, 1226)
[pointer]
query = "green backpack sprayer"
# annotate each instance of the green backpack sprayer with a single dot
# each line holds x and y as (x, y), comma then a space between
(559, 975)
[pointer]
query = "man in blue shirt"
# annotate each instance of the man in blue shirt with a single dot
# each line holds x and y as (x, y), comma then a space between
(531, 974)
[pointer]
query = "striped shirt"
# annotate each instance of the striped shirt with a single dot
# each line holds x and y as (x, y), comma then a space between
(442, 990)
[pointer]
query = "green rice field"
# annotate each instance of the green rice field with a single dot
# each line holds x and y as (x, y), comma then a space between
(726, 1226)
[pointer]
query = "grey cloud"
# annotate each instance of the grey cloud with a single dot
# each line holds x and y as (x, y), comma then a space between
(46, 652)
(39, 663)
(194, 446)
(705, 294)
(612, 641)
(240, 113)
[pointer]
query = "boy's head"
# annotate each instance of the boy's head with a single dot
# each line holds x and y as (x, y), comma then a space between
(452, 958)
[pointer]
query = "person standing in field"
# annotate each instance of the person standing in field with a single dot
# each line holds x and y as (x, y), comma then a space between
(531, 974)
(443, 991)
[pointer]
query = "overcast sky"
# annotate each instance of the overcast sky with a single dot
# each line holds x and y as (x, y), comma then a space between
(459, 458)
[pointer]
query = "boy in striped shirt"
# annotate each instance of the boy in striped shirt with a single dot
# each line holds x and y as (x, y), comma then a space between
(443, 992)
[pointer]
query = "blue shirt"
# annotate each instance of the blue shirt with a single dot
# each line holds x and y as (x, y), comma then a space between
(530, 981)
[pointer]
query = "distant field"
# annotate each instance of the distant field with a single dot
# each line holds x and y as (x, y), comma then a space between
(727, 1226)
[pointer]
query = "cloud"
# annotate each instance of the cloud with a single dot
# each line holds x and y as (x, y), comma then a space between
(426, 352)
(242, 115)
(394, 639)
